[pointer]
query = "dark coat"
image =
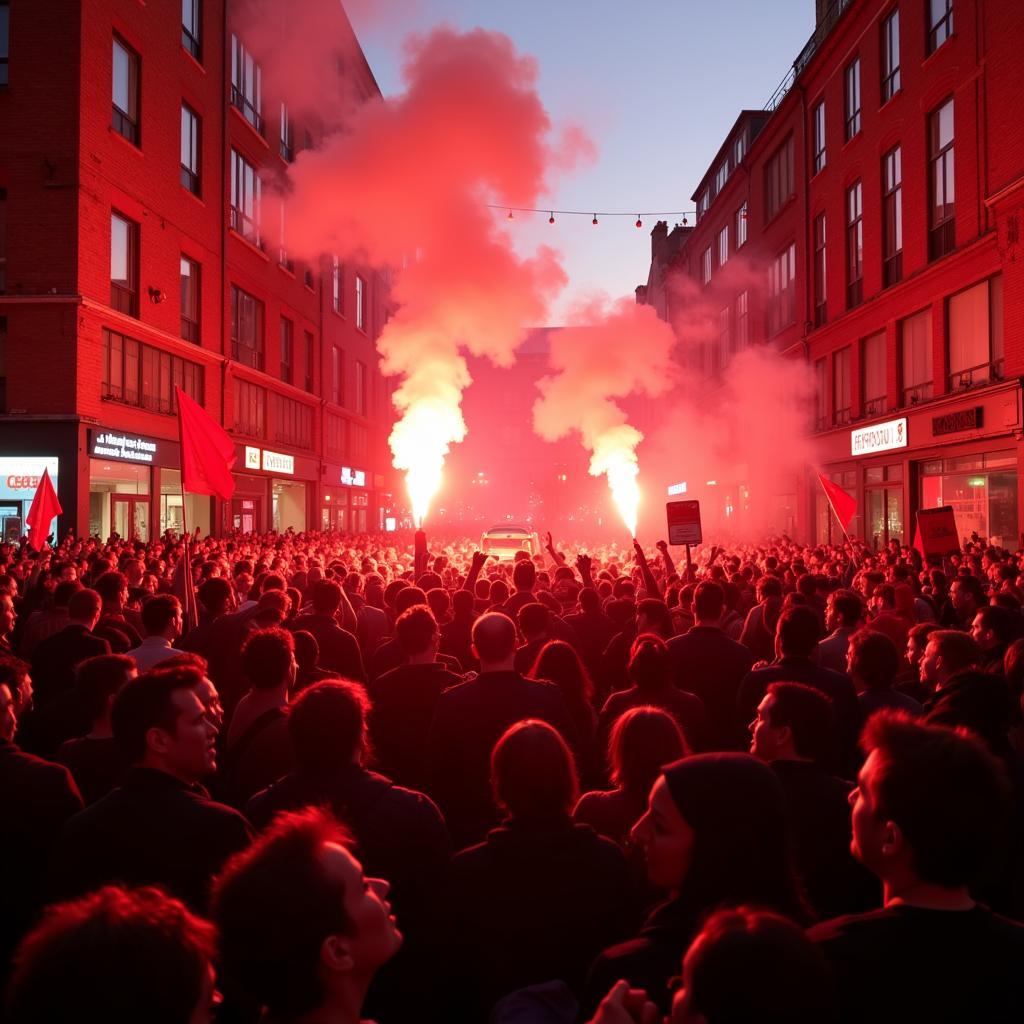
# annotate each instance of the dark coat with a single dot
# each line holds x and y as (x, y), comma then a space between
(55, 658)
(339, 650)
(151, 830)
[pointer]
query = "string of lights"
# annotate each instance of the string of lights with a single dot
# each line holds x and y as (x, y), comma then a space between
(595, 216)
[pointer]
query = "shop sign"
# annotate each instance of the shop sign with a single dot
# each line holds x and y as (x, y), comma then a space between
(277, 462)
(879, 437)
(252, 457)
(20, 475)
(955, 422)
(353, 477)
(114, 444)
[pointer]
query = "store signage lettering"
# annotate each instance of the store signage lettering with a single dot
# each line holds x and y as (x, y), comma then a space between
(353, 477)
(276, 462)
(124, 447)
(252, 457)
(880, 437)
(955, 422)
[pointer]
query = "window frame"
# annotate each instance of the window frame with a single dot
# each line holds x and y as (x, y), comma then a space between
(245, 223)
(890, 58)
(820, 270)
(125, 297)
(250, 408)
(741, 225)
(130, 357)
(941, 232)
(873, 405)
(192, 39)
(246, 85)
(5, 55)
(127, 123)
(779, 180)
(239, 346)
(820, 148)
(705, 266)
(287, 352)
(782, 290)
(362, 407)
(852, 98)
(286, 135)
(722, 245)
(935, 26)
(191, 328)
(337, 286)
(310, 361)
(892, 216)
(921, 390)
(842, 415)
(361, 295)
(191, 176)
(854, 244)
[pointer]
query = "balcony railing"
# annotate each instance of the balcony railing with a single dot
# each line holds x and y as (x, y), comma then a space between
(246, 108)
(974, 376)
(917, 393)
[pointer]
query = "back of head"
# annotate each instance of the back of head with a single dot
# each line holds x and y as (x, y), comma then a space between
(874, 659)
(499, 592)
(117, 956)
(98, 679)
(415, 630)
(439, 602)
(307, 650)
(798, 632)
(63, 591)
(494, 637)
(327, 725)
(524, 575)
(810, 717)
(84, 605)
(462, 603)
(326, 596)
(642, 741)
(409, 598)
(534, 619)
(159, 612)
(147, 702)
(533, 773)
(848, 607)
(708, 601)
(110, 586)
(589, 600)
(751, 965)
(649, 665)
(946, 792)
(267, 658)
(215, 594)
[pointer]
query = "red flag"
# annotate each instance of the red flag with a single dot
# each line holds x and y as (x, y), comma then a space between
(44, 507)
(918, 541)
(844, 505)
(207, 453)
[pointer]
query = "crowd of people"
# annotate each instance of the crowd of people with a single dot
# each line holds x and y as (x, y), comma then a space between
(781, 783)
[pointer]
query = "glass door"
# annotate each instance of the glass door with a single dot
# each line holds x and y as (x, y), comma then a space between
(129, 516)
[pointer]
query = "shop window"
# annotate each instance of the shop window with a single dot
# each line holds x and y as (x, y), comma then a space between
(982, 491)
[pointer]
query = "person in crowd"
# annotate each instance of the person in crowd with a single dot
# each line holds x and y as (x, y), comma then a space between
(705, 662)
(592, 629)
(472, 716)
(162, 623)
(158, 827)
(118, 956)
(794, 732)
(258, 749)
(95, 760)
(758, 634)
(55, 658)
(557, 662)
(908, 680)
(534, 621)
(404, 699)
(650, 672)
(872, 663)
(524, 580)
(929, 809)
(339, 650)
(114, 624)
(844, 614)
(46, 621)
(948, 653)
(307, 657)
(967, 595)
(541, 896)
(457, 634)
(994, 629)
(8, 620)
(302, 931)
(892, 612)
(714, 834)
(215, 601)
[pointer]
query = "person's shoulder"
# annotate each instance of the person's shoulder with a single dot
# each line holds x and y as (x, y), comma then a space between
(599, 846)
(36, 770)
(850, 927)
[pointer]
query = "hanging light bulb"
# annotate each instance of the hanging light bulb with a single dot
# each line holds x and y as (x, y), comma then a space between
(551, 219)
(684, 220)
(594, 221)
(639, 222)
(510, 217)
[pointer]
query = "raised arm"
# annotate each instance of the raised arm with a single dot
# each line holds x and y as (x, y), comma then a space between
(666, 558)
(479, 558)
(650, 583)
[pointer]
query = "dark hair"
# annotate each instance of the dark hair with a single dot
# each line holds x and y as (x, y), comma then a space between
(494, 636)
(810, 717)
(147, 702)
(769, 586)
(657, 611)
(408, 598)
(875, 659)
(642, 741)
(415, 629)
(558, 663)
(307, 650)
(63, 591)
(13, 672)
(462, 602)
(158, 613)
(1001, 621)
(439, 602)
(972, 585)
(267, 657)
(948, 794)
(534, 619)
(116, 955)
(589, 599)
(327, 724)
(798, 631)
(84, 604)
(110, 585)
(326, 596)
(214, 593)
(848, 606)
(649, 662)
(274, 904)
(98, 679)
(920, 633)
(524, 575)
(533, 773)
(750, 965)
(708, 600)
(957, 650)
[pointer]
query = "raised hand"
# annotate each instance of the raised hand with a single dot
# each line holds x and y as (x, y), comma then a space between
(583, 563)
(662, 547)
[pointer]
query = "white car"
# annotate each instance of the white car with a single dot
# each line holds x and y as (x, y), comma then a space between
(504, 541)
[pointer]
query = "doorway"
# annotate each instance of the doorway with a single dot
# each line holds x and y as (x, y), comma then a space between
(129, 516)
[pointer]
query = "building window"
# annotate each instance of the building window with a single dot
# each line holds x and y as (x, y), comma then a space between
(250, 409)
(892, 216)
(246, 328)
(702, 204)
(335, 439)
(819, 137)
(3, 241)
(190, 136)
(852, 99)
(940, 23)
(286, 146)
(916, 358)
(891, 56)
(124, 264)
(820, 394)
(778, 179)
(125, 117)
(360, 303)
(246, 195)
(820, 286)
(723, 246)
(873, 376)
(246, 84)
(287, 353)
(742, 332)
(337, 376)
(337, 291)
(705, 266)
(310, 360)
(739, 149)
(190, 300)
(307, 278)
(741, 226)
(721, 175)
(5, 39)
(974, 321)
(192, 27)
(294, 422)
(361, 395)
(854, 246)
(145, 377)
(942, 186)
(842, 389)
(782, 290)
(358, 441)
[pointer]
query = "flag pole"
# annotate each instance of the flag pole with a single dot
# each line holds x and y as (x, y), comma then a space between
(828, 498)
(191, 606)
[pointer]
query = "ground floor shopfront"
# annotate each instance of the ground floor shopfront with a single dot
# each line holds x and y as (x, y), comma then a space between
(963, 450)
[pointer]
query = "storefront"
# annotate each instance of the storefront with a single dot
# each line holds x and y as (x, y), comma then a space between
(346, 504)
(19, 478)
(273, 490)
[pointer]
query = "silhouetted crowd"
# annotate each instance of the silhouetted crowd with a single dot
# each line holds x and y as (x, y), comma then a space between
(780, 784)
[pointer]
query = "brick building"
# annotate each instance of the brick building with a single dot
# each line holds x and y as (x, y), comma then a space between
(882, 188)
(135, 255)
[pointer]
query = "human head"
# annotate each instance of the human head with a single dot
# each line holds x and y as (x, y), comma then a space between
(409, 597)
(642, 741)
(215, 595)
(708, 603)
(797, 633)
(63, 591)
(439, 603)
(268, 659)
(307, 650)
(917, 640)
(559, 663)
(494, 638)
(119, 956)
(872, 660)
(84, 608)
(534, 620)
(299, 924)
(967, 595)
(327, 725)
(947, 652)
(930, 803)
(15, 693)
(649, 665)
(524, 575)
(205, 688)
(271, 609)
(652, 616)
(161, 616)
(750, 965)
(533, 773)
(97, 681)
(794, 722)
(843, 610)
(159, 722)
(326, 596)
(993, 627)
(416, 631)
